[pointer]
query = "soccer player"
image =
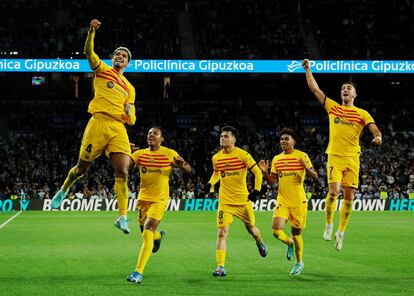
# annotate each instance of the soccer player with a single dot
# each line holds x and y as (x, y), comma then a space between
(111, 107)
(289, 169)
(230, 166)
(346, 123)
(155, 165)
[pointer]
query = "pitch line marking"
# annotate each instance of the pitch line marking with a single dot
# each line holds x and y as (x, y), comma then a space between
(10, 219)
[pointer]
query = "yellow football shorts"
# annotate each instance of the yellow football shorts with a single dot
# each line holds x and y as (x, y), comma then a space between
(225, 214)
(104, 134)
(150, 209)
(343, 169)
(296, 216)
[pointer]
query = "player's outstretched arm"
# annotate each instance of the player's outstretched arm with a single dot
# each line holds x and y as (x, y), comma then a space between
(376, 133)
(313, 86)
(92, 57)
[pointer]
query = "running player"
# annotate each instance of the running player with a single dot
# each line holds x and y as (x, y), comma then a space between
(155, 165)
(230, 166)
(289, 169)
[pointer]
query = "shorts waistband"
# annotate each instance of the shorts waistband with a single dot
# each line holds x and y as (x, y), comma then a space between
(104, 116)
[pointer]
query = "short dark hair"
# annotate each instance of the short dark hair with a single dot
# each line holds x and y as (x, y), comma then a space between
(350, 83)
(160, 128)
(231, 129)
(288, 131)
(124, 49)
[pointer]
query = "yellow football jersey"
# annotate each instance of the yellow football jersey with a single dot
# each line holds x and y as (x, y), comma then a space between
(291, 175)
(155, 168)
(112, 91)
(232, 168)
(345, 128)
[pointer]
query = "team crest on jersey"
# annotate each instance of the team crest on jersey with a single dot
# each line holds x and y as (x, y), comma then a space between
(285, 164)
(143, 170)
(337, 120)
(110, 84)
(223, 174)
(227, 164)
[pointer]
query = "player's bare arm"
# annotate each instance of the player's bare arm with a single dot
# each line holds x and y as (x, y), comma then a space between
(270, 178)
(309, 170)
(182, 164)
(376, 133)
(312, 84)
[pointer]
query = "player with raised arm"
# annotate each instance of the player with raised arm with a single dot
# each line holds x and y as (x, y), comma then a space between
(111, 107)
(346, 123)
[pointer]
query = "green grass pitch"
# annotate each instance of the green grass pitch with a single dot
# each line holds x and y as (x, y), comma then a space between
(81, 253)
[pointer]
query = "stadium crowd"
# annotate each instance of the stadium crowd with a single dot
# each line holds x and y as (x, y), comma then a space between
(151, 28)
(37, 150)
(231, 29)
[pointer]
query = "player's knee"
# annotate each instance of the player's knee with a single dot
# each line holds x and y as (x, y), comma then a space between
(121, 173)
(333, 193)
(81, 170)
(296, 231)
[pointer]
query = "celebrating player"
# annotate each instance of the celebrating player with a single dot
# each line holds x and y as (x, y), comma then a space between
(111, 107)
(346, 123)
(230, 168)
(155, 165)
(289, 169)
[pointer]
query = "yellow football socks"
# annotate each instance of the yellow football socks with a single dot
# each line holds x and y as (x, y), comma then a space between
(121, 191)
(281, 235)
(70, 179)
(346, 210)
(330, 208)
(146, 250)
(157, 235)
(221, 257)
(298, 247)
